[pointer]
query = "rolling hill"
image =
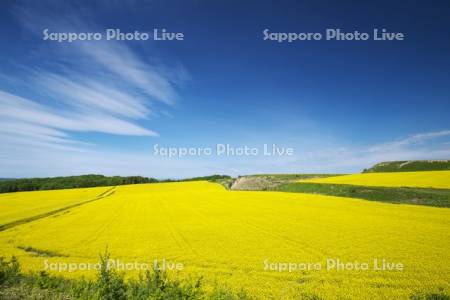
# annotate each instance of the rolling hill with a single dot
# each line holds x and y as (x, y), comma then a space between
(410, 166)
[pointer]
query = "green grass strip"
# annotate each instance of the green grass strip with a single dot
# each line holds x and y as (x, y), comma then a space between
(401, 195)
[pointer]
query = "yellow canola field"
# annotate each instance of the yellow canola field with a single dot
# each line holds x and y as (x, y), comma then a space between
(423, 179)
(22, 205)
(244, 239)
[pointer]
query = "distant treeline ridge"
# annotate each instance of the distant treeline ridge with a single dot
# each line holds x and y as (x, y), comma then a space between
(82, 181)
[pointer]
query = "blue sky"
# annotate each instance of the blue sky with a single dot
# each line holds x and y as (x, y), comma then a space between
(101, 106)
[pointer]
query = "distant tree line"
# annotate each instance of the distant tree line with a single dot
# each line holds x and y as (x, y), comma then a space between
(84, 181)
(56, 183)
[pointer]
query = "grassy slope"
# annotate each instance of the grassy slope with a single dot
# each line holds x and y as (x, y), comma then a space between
(410, 166)
(430, 188)
(420, 196)
(289, 183)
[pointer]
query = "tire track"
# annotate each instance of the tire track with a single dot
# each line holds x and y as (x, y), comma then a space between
(7, 226)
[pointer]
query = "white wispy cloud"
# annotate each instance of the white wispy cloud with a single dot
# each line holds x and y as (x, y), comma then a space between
(355, 158)
(415, 139)
(108, 87)
(91, 86)
(156, 81)
(120, 60)
(91, 95)
(20, 110)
